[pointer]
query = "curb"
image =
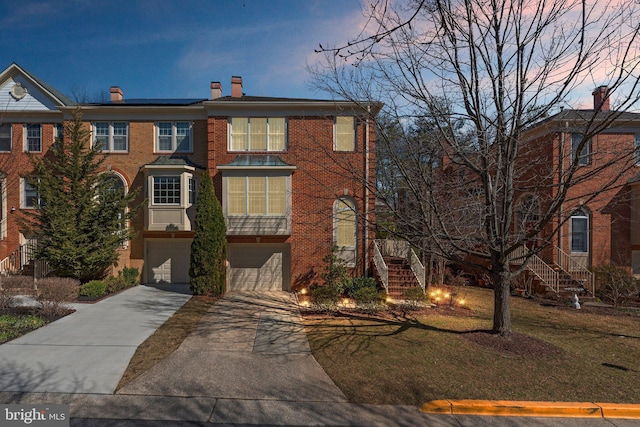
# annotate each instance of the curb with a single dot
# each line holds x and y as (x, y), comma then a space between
(537, 409)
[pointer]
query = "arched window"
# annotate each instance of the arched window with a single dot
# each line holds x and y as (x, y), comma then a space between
(580, 231)
(116, 184)
(345, 223)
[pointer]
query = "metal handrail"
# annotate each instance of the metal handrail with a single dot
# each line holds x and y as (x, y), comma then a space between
(576, 270)
(13, 263)
(381, 266)
(538, 267)
(417, 268)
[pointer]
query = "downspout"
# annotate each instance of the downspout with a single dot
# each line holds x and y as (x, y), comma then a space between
(561, 173)
(366, 192)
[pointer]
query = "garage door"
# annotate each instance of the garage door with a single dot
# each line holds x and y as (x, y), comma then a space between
(258, 267)
(167, 260)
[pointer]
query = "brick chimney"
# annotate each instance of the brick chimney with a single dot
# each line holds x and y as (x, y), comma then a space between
(236, 87)
(216, 90)
(601, 99)
(116, 94)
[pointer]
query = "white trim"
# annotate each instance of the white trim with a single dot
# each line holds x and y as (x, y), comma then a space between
(110, 136)
(174, 135)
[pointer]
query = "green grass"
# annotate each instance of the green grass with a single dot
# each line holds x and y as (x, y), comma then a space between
(13, 326)
(412, 360)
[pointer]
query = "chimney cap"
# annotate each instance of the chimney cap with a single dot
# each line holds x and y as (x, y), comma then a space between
(236, 87)
(116, 93)
(216, 90)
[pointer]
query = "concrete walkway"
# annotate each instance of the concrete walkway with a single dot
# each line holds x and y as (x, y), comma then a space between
(89, 350)
(248, 346)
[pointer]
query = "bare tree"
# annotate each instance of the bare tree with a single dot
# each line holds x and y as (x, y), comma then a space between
(484, 73)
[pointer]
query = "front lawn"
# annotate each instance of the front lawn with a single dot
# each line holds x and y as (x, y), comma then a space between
(557, 353)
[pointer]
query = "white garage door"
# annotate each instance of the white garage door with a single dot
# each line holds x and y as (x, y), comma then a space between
(168, 260)
(258, 267)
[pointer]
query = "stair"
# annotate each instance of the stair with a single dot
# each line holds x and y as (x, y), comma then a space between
(401, 277)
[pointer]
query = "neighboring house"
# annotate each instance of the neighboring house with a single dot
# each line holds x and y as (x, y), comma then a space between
(291, 175)
(596, 227)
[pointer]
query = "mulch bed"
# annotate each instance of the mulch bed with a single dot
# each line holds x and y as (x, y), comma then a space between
(518, 344)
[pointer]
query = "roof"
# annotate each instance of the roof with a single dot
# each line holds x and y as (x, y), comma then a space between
(152, 102)
(174, 161)
(61, 97)
(583, 115)
(257, 161)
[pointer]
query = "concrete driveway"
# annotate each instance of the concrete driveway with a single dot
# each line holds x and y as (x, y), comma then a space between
(89, 350)
(249, 346)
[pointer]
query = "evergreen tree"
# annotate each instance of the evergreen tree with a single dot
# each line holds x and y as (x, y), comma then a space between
(80, 219)
(207, 270)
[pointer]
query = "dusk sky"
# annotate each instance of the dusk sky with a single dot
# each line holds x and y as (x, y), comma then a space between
(174, 49)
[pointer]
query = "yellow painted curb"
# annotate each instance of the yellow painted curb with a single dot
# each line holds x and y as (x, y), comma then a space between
(437, 407)
(620, 410)
(517, 408)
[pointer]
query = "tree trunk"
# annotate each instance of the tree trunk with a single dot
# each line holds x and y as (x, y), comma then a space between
(501, 278)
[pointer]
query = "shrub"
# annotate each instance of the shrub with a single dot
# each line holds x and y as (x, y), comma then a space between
(615, 285)
(114, 284)
(357, 283)
(5, 300)
(368, 294)
(93, 289)
(129, 276)
(14, 283)
(336, 272)
(324, 297)
(58, 288)
(53, 293)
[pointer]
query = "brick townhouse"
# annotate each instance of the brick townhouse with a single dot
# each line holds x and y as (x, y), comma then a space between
(598, 222)
(291, 175)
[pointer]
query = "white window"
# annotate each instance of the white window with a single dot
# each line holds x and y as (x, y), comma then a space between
(33, 142)
(257, 195)
(5, 137)
(30, 197)
(192, 190)
(59, 133)
(257, 134)
(580, 231)
(584, 157)
(173, 137)
(345, 223)
(344, 133)
(112, 136)
(166, 190)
